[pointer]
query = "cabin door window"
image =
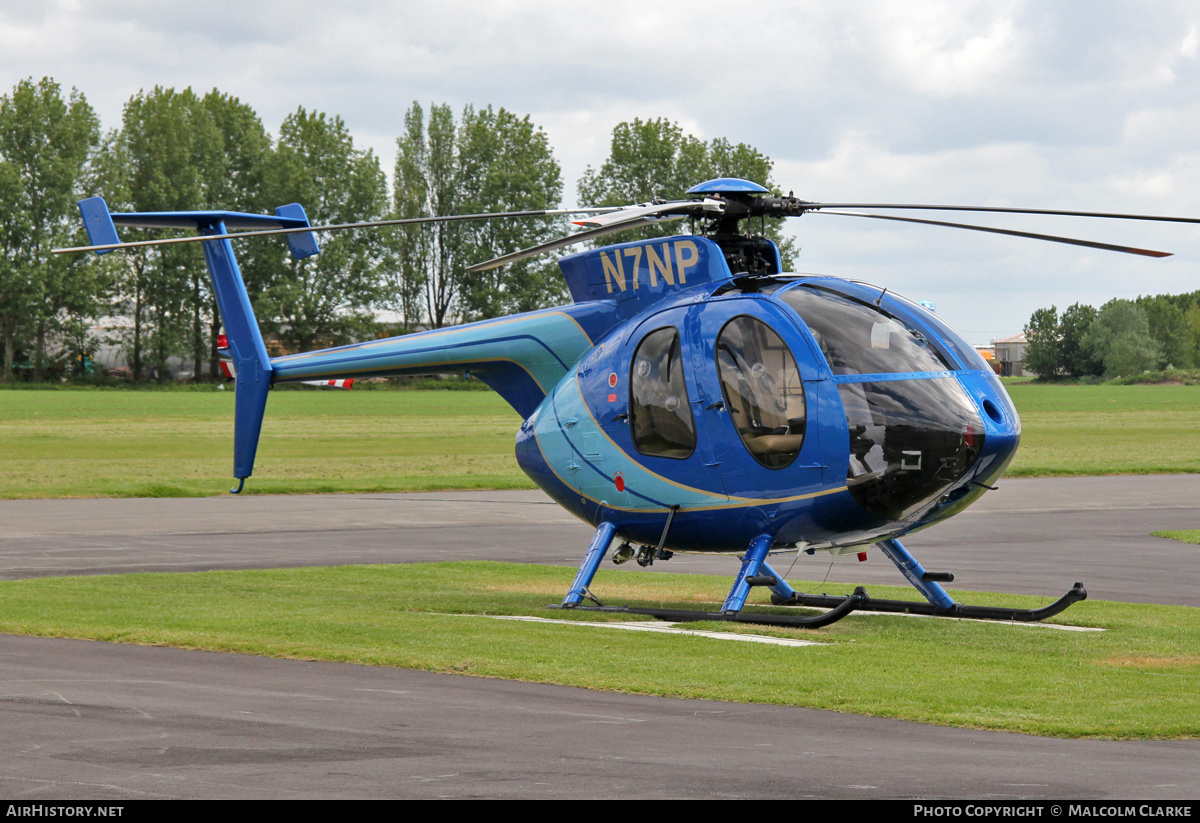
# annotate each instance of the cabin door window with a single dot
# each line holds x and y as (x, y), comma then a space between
(660, 416)
(762, 390)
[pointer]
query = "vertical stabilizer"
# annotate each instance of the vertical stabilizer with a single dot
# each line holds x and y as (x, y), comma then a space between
(249, 353)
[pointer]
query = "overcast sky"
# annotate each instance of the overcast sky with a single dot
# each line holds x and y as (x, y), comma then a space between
(1062, 104)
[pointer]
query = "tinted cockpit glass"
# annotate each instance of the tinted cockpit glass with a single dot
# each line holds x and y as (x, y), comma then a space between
(910, 440)
(763, 392)
(857, 338)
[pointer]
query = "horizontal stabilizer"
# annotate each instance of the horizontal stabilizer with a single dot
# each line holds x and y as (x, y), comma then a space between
(101, 226)
(233, 220)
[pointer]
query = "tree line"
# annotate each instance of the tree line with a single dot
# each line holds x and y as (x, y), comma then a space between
(1122, 338)
(179, 150)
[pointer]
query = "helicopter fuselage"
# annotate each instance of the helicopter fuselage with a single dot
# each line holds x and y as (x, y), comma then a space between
(824, 413)
(752, 418)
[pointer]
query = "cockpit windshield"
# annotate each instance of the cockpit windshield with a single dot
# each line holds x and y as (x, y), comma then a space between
(857, 338)
(910, 440)
(914, 432)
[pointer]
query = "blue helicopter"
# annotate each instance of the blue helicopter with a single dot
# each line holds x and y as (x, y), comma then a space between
(694, 397)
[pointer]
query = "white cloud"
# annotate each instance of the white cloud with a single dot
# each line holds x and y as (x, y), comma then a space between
(948, 48)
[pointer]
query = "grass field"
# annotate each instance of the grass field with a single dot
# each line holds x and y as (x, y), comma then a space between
(1106, 429)
(1137, 679)
(1183, 535)
(170, 444)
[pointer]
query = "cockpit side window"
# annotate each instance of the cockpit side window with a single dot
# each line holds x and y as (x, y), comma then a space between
(860, 339)
(763, 391)
(660, 416)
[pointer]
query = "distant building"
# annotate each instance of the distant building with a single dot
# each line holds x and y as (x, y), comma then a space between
(988, 352)
(1010, 354)
(113, 341)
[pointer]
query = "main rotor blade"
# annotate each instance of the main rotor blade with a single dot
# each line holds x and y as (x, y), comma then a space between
(1052, 238)
(569, 240)
(1001, 209)
(628, 213)
(404, 221)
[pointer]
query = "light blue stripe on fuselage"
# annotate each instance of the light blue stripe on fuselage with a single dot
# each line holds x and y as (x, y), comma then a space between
(562, 446)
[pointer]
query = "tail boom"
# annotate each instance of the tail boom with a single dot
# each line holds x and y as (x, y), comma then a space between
(521, 357)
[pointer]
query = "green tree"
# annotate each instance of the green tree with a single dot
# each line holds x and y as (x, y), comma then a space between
(1043, 355)
(45, 146)
(323, 299)
(1193, 320)
(505, 164)
(1168, 326)
(1120, 337)
(411, 246)
(1074, 358)
(19, 289)
(178, 151)
(130, 268)
(654, 158)
(430, 264)
(647, 159)
(167, 142)
(491, 160)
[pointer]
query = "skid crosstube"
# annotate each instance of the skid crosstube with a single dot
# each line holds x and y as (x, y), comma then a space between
(1076, 594)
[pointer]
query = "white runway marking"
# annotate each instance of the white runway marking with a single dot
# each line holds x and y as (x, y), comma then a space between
(665, 628)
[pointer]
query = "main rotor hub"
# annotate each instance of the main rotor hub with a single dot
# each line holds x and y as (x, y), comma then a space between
(743, 199)
(728, 186)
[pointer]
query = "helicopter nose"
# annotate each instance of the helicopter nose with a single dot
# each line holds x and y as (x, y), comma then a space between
(1001, 426)
(996, 445)
(920, 445)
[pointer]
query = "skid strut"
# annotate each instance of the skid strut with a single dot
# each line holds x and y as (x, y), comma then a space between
(755, 571)
(591, 561)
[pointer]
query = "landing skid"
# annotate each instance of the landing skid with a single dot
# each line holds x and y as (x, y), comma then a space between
(870, 604)
(756, 571)
(839, 608)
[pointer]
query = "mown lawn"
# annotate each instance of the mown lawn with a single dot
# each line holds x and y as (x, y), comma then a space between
(1075, 430)
(172, 444)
